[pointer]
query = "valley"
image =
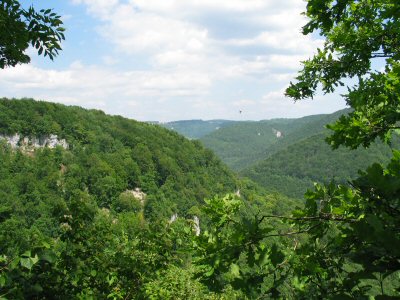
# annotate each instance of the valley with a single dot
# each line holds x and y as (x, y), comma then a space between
(97, 203)
(289, 162)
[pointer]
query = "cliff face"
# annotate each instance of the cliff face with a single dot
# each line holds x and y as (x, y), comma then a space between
(50, 141)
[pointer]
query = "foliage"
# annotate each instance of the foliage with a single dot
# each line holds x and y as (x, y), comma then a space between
(243, 144)
(21, 27)
(70, 224)
(196, 129)
(68, 227)
(179, 283)
(354, 232)
(110, 155)
(239, 249)
(293, 170)
(356, 33)
(346, 239)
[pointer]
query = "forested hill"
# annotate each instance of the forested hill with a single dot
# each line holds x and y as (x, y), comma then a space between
(293, 170)
(87, 200)
(242, 144)
(195, 129)
(109, 155)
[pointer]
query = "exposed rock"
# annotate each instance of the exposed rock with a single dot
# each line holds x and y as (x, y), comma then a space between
(105, 211)
(17, 141)
(277, 133)
(138, 194)
(13, 140)
(63, 169)
(196, 225)
(173, 218)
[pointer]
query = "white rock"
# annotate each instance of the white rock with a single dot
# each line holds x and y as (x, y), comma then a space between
(173, 218)
(17, 141)
(196, 222)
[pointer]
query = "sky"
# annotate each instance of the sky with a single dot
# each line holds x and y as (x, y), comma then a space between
(164, 60)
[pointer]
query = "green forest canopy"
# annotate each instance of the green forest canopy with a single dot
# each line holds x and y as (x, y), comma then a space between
(76, 239)
(70, 224)
(243, 143)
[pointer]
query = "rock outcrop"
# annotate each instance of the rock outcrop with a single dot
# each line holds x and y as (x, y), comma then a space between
(18, 141)
(138, 194)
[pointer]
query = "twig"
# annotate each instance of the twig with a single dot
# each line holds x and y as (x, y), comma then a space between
(321, 217)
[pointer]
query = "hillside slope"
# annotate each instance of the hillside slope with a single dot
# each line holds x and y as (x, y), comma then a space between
(195, 129)
(108, 155)
(86, 202)
(293, 170)
(244, 143)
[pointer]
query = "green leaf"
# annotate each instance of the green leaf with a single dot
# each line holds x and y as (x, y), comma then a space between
(276, 255)
(210, 272)
(37, 288)
(341, 296)
(26, 263)
(35, 259)
(46, 245)
(235, 271)
(3, 280)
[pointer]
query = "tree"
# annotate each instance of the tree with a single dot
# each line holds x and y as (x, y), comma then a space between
(357, 33)
(346, 239)
(354, 230)
(20, 28)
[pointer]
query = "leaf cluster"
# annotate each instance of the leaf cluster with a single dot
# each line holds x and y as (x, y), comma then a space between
(21, 27)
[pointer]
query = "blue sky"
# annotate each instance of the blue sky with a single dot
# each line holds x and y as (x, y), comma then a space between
(174, 59)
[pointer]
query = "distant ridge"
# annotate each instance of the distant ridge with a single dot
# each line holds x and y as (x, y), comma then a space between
(108, 155)
(242, 144)
(283, 155)
(195, 129)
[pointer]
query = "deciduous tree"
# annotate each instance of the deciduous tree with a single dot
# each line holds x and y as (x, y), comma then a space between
(20, 27)
(354, 230)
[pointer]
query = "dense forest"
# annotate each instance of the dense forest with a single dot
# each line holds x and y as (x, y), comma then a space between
(294, 169)
(293, 161)
(101, 207)
(71, 223)
(112, 213)
(113, 154)
(195, 129)
(244, 143)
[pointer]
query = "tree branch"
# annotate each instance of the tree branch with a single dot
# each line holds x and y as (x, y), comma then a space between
(294, 232)
(321, 217)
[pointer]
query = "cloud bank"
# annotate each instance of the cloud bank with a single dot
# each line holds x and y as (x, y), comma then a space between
(179, 59)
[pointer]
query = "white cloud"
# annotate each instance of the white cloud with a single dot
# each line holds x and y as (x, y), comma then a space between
(96, 82)
(175, 34)
(174, 59)
(275, 102)
(278, 40)
(188, 6)
(100, 8)
(140, 32)
(110, 60)
(243, 102)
